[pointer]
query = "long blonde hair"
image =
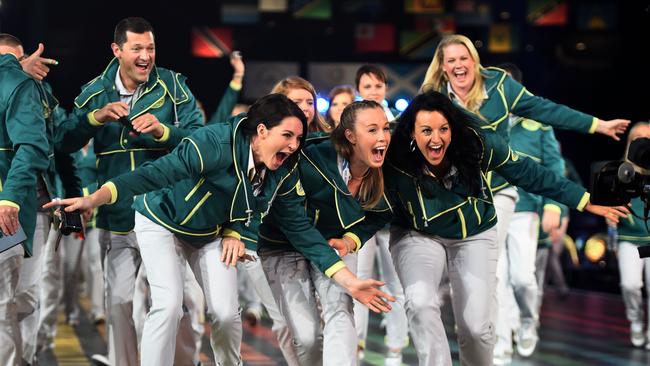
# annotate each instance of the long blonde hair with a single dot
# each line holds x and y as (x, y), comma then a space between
(318, 124)
(435, 78)
(372, 186)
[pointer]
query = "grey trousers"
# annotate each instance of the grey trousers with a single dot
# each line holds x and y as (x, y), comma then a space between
(376, 248)
(262, 292)
(121, 263)
(11, 345)
(420, 260)
(51, 289)
(541, 260)
(19, 297)
(295, 284)
(28, 293)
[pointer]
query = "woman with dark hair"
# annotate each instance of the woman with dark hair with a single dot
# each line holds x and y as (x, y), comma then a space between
(436, 181)
(341, 182)
(200, 197)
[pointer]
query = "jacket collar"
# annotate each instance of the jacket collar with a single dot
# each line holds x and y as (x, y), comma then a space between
(9, 60)
(323, 157)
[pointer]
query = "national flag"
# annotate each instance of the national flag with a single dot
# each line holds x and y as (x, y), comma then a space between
(374, 38)
(211, 42)
(547, 12)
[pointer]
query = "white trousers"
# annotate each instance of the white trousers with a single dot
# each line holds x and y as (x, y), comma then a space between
(28, 293)
(633, 270)
(396, 323)
(295, 282)
(504, 204)
(165, 259)
(420, 260)
(257, 279)
(517, 276)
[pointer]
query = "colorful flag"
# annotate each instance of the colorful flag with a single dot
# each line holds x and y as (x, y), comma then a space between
(273, 6)
(375, 38)
(597, 16)
(418, 44)
(369, 9)
(312, 9)
(547, 12)
(211, 42)
(424, 6)
(502, 39)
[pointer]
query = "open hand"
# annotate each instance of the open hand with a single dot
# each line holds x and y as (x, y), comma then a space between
(612, 214)
(232, 250)
(613, 128)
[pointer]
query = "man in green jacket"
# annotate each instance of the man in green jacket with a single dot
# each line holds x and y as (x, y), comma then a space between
(24, 150)
(162, 111)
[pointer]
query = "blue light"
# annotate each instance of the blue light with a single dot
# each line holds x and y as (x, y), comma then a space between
(401, 104)
(322, 105)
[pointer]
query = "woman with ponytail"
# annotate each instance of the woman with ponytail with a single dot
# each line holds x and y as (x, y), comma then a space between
(341, 182)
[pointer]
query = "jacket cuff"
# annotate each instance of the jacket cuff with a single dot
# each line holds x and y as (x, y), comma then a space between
(594, 125)
(334, 268)
(355, 238)
(165, 135)
(111, 187)
(235, 85)
(9, 203)
(552, 207)
(231, 234)
(583, 201)
(92, 120)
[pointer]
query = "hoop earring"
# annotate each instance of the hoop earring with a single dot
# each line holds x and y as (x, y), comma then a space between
(412, 145)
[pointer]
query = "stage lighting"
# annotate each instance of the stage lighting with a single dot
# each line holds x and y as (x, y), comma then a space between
(401, 104)
(322, 105)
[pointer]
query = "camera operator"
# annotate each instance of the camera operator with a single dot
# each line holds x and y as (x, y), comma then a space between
(632, 232)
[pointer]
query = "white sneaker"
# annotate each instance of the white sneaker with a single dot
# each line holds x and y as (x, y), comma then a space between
(393, 358)
(99, 359)
(527, 339)
(636, 334)
(502, 359)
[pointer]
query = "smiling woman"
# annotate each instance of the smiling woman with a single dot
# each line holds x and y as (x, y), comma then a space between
(342, 185)
(436, 179)
(193, 205)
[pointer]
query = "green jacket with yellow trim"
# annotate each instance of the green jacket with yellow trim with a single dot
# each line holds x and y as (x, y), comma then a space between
(207, 192)
(505, 96)
(87, 171)
(425, 205)
(632, 229)
(536, 141)
(24, 146)
(61, 178)
(329, 205)
(226, 104)
(118, 152)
